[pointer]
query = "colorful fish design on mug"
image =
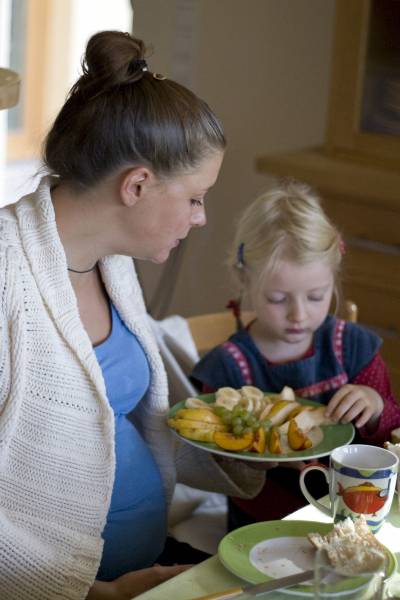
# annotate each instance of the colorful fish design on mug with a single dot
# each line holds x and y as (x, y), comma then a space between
(365, 498)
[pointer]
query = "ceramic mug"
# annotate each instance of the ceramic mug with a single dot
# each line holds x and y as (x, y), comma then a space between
(361, 480)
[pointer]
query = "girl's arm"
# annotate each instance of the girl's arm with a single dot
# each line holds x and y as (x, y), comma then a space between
(376, 376)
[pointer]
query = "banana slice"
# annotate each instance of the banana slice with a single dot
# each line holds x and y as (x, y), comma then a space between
(254, 396)
(248, 404)
(287, 393)
(179, 424)
(267, 408)
(250, 391)
(196, 403)
(258, 405)
(206, 415)
(227, 397)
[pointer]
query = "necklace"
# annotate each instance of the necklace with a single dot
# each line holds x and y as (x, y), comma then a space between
(86, 271)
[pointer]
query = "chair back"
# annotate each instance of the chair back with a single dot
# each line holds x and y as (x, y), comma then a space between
(212, 329)
(351, 311)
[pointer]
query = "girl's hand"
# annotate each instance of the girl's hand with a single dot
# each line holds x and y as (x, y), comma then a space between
(134, 583)
(359, 402)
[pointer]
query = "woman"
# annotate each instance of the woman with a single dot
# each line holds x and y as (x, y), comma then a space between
(83, 489)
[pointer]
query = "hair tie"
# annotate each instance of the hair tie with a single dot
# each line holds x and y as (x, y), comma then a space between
(138, 64)
(240, 264)
(342, 246)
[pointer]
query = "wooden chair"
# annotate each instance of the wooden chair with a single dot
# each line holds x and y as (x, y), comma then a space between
(211, 329)
(351, 311)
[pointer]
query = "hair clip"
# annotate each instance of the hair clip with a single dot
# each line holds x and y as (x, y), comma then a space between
(240, 264)
(342, 246)
(159, 76)
(139, 64)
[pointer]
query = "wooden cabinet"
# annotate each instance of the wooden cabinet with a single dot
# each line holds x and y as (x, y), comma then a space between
(364, 116)
(357, 171)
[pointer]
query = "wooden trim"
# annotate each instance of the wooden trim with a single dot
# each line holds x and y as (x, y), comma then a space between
(363, 183)
(24, 143)
(43, 83)
(379, 147)
(347, 72)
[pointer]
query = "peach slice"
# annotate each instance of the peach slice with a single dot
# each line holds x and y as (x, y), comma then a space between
(260, 441)
(274, 442)
(234, 443)
(297, 438)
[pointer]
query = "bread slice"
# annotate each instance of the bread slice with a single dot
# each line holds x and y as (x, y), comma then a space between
(351, 547)
(393, 447)
(395, 435)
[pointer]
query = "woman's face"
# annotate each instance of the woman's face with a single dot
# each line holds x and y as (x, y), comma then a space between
(171, 207)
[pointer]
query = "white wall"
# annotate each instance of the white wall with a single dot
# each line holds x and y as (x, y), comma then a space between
(90, 16)
(264, 67)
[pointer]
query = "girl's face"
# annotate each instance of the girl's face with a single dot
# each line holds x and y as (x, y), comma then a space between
(171, 209)
(293, 301)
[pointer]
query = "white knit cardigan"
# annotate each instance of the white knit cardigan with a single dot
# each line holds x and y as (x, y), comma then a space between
(57, 457)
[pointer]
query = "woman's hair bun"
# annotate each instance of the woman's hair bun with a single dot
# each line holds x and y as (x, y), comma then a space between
(119, 115)
(110, 60)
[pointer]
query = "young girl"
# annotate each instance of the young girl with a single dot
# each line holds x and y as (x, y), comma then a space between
(287, 257)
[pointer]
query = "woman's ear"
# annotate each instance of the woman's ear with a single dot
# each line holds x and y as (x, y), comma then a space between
(133, 185)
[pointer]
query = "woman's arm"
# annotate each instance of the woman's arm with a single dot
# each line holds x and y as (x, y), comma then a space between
(134, 583)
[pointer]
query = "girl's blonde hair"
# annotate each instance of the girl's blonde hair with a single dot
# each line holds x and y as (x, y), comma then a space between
(286, 223)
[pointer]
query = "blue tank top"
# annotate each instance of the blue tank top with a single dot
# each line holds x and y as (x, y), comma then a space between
(135, 530)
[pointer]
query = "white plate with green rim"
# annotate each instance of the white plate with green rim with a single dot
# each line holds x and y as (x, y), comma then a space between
(332, 437)
(272, 549)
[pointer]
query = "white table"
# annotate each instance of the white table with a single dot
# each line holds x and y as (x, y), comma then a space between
(210, 576)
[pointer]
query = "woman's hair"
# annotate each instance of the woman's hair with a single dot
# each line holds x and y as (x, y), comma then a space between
(120, 114)
(286, 223)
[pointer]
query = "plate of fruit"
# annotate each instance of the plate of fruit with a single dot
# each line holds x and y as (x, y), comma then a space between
(255, 425)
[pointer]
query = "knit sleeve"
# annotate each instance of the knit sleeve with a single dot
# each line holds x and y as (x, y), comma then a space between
(376, 376)
(217, 369)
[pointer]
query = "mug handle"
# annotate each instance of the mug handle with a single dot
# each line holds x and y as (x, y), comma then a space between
(306, 493)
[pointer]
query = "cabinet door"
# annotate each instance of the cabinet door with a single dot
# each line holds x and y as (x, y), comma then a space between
(364, 115)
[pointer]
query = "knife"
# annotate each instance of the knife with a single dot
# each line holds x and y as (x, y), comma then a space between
(260, 588)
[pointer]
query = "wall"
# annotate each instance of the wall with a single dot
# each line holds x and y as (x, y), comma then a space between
(264, 67)
(91, 16)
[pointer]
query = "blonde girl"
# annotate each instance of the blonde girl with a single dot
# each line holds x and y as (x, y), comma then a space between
(287, 257)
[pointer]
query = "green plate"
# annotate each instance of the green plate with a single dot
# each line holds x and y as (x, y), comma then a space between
(276, 546)
(334, 436)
